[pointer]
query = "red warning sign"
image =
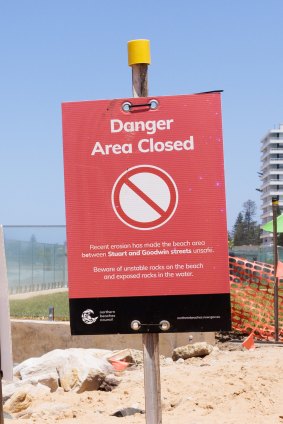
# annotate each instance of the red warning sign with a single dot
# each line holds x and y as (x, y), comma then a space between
(145, 208)
(144, 197)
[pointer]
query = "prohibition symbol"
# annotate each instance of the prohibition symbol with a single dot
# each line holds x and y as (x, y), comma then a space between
(144, 197)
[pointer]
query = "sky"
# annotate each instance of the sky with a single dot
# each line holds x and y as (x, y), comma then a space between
(72, 50)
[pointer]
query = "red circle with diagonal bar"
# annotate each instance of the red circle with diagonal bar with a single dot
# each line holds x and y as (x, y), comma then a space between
(144, 197)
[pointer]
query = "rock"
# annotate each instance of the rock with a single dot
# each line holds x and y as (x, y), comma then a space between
(45, 363)
(127, 411)
(109, 383)
(82, 371)
(41, 370)
(137, 356)
(55, 358)
(69, 379)
(92, 381)
(38, 390)
(10, 388)
(199, 349)
(73, 369)
(35, 391)
(18, 402)
(49, 379)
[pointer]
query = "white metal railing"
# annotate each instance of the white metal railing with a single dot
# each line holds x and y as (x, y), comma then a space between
(36, 257)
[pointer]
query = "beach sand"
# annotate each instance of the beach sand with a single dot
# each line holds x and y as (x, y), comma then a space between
(232, 385)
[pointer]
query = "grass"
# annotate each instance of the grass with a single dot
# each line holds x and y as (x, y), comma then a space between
(38, 307)
(252, 308)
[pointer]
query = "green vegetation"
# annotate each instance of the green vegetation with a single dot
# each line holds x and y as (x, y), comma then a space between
(246, 230)
(37, 307)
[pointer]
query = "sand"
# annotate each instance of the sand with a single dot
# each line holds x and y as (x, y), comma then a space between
(231, 385)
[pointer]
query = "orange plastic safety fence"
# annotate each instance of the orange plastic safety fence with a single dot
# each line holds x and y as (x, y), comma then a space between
(252, 298)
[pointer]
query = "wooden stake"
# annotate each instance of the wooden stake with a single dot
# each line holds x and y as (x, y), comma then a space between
(152, 387)
(140, 80)
(139, 59)
(275, 261)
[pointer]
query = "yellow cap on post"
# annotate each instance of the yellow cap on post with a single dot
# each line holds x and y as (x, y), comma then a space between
(138, 52)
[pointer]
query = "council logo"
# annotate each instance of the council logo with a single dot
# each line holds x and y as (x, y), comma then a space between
(88, 316)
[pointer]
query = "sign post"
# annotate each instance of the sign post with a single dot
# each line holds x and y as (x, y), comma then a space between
(144, 255)
(139, 59)
(275, 203)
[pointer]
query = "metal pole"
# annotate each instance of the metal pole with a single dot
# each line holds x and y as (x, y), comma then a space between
(275, 204)
(139, 53)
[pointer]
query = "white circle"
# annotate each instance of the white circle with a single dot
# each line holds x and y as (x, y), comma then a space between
(152, 186)
(87, 316)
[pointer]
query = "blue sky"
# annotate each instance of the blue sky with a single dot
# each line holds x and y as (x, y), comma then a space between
(62, 50)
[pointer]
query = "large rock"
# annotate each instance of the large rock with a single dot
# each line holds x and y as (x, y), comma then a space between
(200, 349)
(72, 369)
(92, 381)
(18, 402)
(83, 371)
(33, 390)
(49, 379)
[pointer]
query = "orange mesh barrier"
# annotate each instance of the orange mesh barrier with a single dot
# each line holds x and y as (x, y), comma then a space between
(252, 298)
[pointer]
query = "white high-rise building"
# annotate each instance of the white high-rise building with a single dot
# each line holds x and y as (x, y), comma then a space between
(272, 175)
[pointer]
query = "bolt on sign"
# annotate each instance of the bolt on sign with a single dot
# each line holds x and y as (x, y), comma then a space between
(146, 220)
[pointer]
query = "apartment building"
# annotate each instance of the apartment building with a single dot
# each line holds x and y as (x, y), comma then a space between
(272, 175)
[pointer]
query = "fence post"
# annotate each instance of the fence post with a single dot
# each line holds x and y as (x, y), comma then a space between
(275, 204)
(139, 59)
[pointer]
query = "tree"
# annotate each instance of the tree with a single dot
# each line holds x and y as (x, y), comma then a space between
(249, 213)
(246, 230)
(238, 231)
(230, 240)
